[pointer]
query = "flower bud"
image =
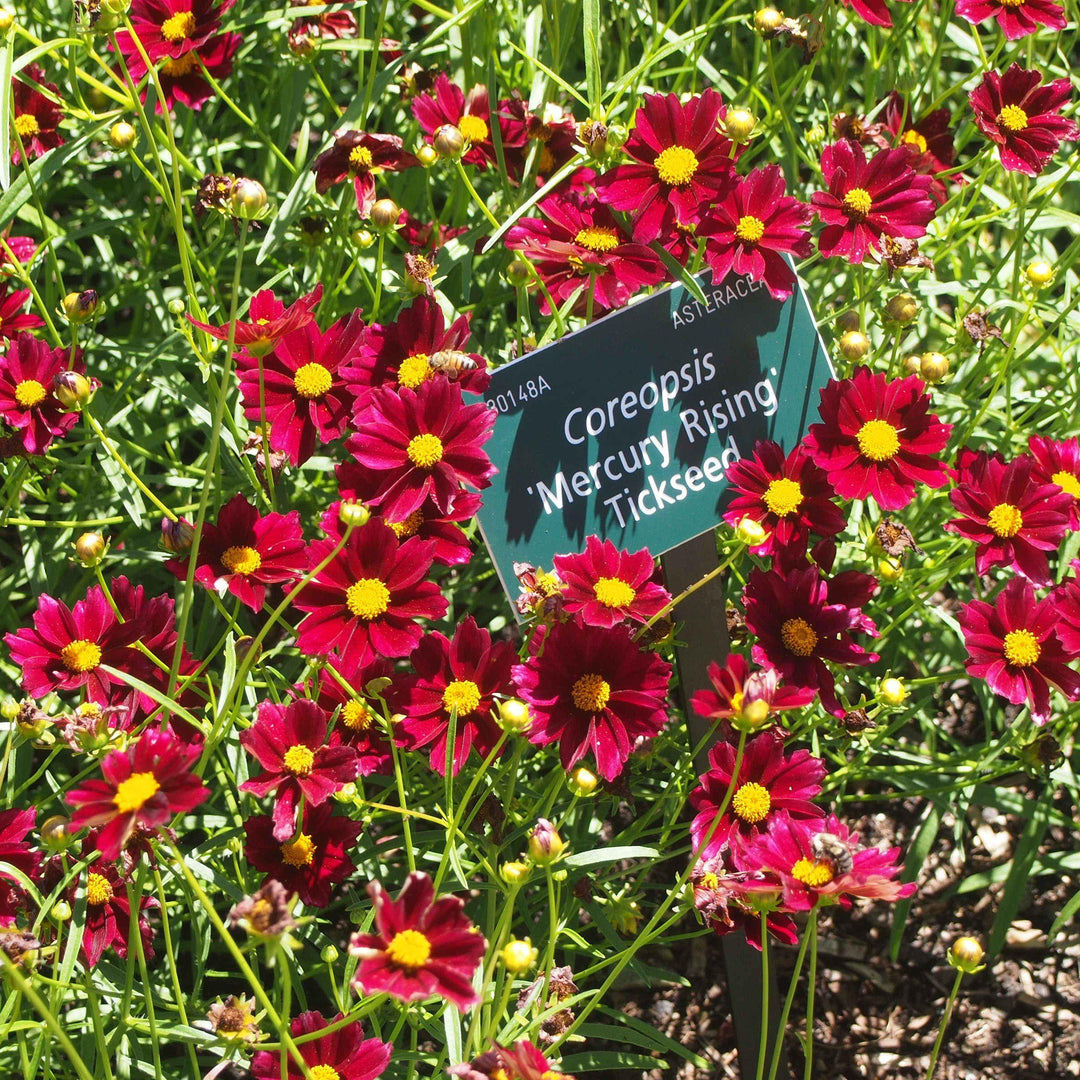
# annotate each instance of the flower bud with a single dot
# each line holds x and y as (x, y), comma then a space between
(329, 954)
(9, 710)
(363, 238)
(80, 307)
(176, 306)
(933, 366)
(893, 692)
(545, 844)
(122, 136)
(55, 832)
(583, 781)
(385, 214)
(248, 198)
(518, 272)
(767, 20)
(848, 321)
(901, 308)
(967, 954)
(912, 364)
(427, 155)
(72, 390)
(751, 532)
(752, 715)
(518, 955)
(245, 646)
(353, 513)
(61, 911)
(176, 536)
(854, 345)
(514, 873)
(448, 142)
(1040, 273)
(617, 136)
(514, 716)
(889, 571)
(815, 135)
(90, 548)
(739, 125)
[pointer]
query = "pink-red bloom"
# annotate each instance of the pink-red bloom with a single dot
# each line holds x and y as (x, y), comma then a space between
(361, 157)
(729, 901)
(874, 12)
(738, 693)
(342, 1054)
(27, 401)
(36, 116)
(108, 915)
(170, 28)
(1059, 462)
(1017, 18)
(928, 141)
(268, 320)
(522, 1061)
(15, 851)
(13, 317)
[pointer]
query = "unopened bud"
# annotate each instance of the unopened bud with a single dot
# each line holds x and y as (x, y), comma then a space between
(245, 647)
(583, 780)
(385, 214)
(9, 710)
(854, 345)
(60, 911)
(248, 198)
(448, 142)
(514, 716)
(122, 136)
(545, 844)
(848, 321)
(751, 532)
(966, 954)
(739, 125)
(71, 389)
(329, 954)
(518, 272)
(912, 364)
(768, 20)
(427, 155)
(934, 366)
(80, 307)
(752, 715)
(617, 136)
(176, 536)
(353, 513)
(90, 548)
(889, 571)
(518, 955)
(901, 309)
(514, 873)
(176, 306)
(893, 692)
(1040, 273)
(55, 832)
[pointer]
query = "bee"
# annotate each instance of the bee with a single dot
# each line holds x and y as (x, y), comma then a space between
(452, 363)
(826, 847)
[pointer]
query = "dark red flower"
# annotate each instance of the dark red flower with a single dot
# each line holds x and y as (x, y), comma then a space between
(1017, 18)
(422, 946)
(108, 915)
(182, 80)
(15, 851)
(729, 901)
(1023, 117)
(12, 316)
(361, 157)
(172, 27)
(523, 1061)
(269, 319)
(928, 141)
(322, 25)
(343, 1054)
(1059, 462)
(27, 401)
(36, 116)
(739, 694)
(873, 11)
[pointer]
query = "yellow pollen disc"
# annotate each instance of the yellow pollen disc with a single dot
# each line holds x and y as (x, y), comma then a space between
(26, 125)
(597, 238)
(88, 709)
(299, 759)
(409, 949)
(499, 1074)
(98, 890)
(709, 880)
(422, 268)
(414, 370)
(178, 26)
(858, 202)
(137, 789)
(180, 66)
(312, 380)
(409, 527)
(737, 700)
(676, 165)
(1005, 519)
(913, 139)
(357, 715)
(325, 1072)
(1022, 648)
(878, 440)
(29, 393)
(814, 874)
(591, 693)
(80, 656)
(613, 593)
(462, 695)
(241, 560)
(1013, 118)
(750, 229)
(752, 803)
(368, 598)
(298, 852)
(783, 496)
(425, 451)
(473, 128)
(1067, 482)
(360, 158)
(799, 637)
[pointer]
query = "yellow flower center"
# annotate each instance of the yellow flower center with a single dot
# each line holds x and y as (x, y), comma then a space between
(676, 165)
(368, 598)
(425, 450)
(409, 949)
(80, 655)
(360, 158)
(462, 695)
(1005, 519)
(750, 229)
(325, 1072)
(98, 890)
(89, 709)
(591, 693)
(799, 637)
(1067, 481)
(473, 128)
(409, 527)
(180, 66)
(913, 139)
(752, 803)
(1022, 648)
(783, 496)
(857, 202)
(241, 560)
(179, 26)
(26, 125)
(613, 592)
(132, 793)
(299, 759)
(312, 380)
(597, 238)
(1013, 118)
(422, 268)
(414, 370)
(29, 393)
(298, 852)
(357, 715)
(878, 440)
(814, 874)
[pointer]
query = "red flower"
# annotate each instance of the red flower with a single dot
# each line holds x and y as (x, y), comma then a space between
(148, 784)
(366, 602)
(182, 81)
(462, 675)
(738, 693)
(12, 316)
(361, 156)
(289, 742)
(312, 863)
(1066, 598)
(750, 230)
(878, 438)
(422, 946)
(873, 11)
(929, 141)
(343, 1054)
(36, 116)
(1023, 117)
(108, 915)
(608, 586)
(326, 26)
(27, 401)
(1059, 462)
(244, 553)
(1012, 515)
(424, 443)
(1017, 18)
(172, 27)
(734, 901)
(15, 851)
(269, 319)
(592, 691)
(521, 1062)
(682, 163)
(868, 200)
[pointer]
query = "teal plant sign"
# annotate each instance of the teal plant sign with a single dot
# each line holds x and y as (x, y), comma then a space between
(625, 428)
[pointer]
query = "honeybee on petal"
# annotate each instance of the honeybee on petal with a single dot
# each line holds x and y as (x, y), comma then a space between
(826, 847)
(452, 363)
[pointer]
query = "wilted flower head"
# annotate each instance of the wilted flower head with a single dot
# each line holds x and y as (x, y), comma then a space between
(266, 913)
(234, 1019)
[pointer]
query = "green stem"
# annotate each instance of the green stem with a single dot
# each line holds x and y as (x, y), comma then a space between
(946, 1016)
(763, 1037)
(811, 991)
(774, 1064)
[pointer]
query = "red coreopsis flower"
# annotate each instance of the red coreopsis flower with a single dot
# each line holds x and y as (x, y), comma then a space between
(1066, 598)
(108, 915)
(1023, 117)
(361, 157)
(289, 742)
(170, 28)
(769, 782)
(1017, 18)
(244, 553)
(878, 438)
(1012, 644)
(523, 1061)
(422, 946)
(12, 316)
(303, 397)
(269, 320)
(869, 200)
(313, 862)
(16, 851)
(146, 785)
(343, 1054)
(36, 116)
(425, 443)
(460, 676)
(874, 12)
(681, 163)
(593, 692)
(799, 626)
(321, 25)
(750, 230)
(577, 244)
(738, 693)
(366, 602)
(182, 80)
(1059, 462)
(27, 401)
(734, 901)
(606, 586)
(1013, 515)
(928, 141)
